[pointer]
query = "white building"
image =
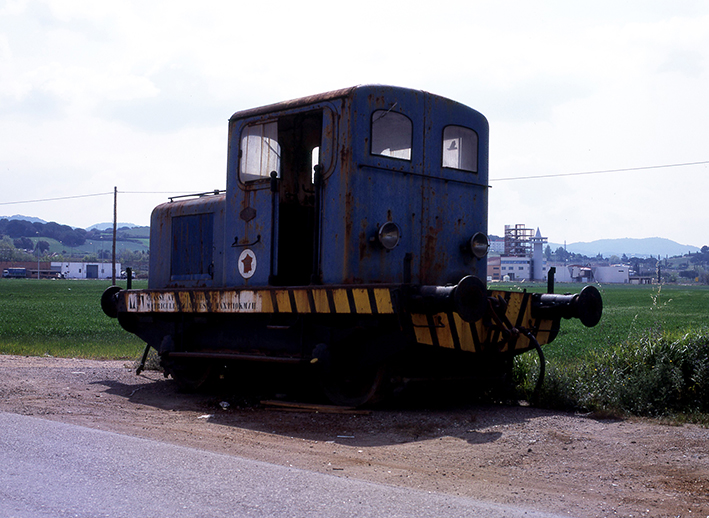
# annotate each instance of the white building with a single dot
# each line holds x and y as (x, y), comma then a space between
(515, 268)
(86, 270)
(616, 274)
(573, 273)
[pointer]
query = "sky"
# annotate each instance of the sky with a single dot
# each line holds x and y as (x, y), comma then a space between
(136, 95)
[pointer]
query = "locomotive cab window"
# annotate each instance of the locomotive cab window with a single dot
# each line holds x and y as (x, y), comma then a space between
(460, 148)
(391, 134)
(260, 151)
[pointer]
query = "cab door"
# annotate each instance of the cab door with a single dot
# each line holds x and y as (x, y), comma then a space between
(272, 198)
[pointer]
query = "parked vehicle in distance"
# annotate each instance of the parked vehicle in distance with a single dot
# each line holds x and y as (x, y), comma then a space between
(350, 242)
(15, 273)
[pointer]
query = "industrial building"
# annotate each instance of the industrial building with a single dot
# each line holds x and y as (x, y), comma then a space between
(614, 274)
(522, 258)
(69, 270)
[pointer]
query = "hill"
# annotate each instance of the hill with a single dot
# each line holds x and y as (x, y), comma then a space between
(651, 246)
(62, 240)
(97, 226)
(104, 226)
(25, 218)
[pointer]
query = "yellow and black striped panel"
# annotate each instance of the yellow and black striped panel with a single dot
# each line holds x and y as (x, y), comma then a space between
(450, 331)
(544, 332)
(330, 300)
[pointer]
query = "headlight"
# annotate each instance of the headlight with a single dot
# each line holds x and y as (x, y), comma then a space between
(389, 235)
(479, 245)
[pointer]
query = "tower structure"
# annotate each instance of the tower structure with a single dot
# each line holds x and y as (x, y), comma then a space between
(518, 240)
(523, 258)
(538, 269)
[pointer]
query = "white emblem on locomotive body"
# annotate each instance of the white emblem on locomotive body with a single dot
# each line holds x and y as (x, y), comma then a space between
(247, 263)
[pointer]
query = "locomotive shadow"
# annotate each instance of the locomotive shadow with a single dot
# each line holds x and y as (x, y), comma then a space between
(413, 417)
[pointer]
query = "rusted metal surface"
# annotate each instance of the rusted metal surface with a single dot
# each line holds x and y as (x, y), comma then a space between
(293, 104)
(187, 243)
(360, 300)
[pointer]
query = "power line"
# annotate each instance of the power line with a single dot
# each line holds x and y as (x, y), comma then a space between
(56, 199)
(154, 192)
(597, 172)
(89, 196)
(557, 175)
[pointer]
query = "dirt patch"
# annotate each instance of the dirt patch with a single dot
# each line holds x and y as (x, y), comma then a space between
(517, 455)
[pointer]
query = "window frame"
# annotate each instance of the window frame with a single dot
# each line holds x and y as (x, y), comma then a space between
(410, 158)
(477, 149)
(252, 178)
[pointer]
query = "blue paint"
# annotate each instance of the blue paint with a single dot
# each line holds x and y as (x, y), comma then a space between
(382, 152)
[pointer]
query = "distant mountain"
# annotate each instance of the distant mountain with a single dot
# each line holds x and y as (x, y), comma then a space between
(104, 226)
(26, 218)
(631, 247)
(99, 226)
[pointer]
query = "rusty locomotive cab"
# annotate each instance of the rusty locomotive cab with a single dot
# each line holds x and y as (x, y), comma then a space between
(350, 243)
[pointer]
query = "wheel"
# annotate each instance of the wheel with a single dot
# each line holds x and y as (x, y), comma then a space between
(189, 374)
(347, 387)
(348, 379)
(497, 376)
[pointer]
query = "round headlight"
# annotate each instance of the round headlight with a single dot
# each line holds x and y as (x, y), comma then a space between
(479, 245)
(389, 235)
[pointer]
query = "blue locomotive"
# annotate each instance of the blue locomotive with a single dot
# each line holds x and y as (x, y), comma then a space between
(350, 241)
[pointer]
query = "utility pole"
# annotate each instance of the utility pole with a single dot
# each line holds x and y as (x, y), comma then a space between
(115, 223)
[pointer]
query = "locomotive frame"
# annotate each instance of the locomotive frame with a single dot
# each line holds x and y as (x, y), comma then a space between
(350, 240)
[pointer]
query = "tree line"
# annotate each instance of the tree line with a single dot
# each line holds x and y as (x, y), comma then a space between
(19, 228)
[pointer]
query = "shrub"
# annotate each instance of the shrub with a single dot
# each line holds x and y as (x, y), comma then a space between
(655, 375)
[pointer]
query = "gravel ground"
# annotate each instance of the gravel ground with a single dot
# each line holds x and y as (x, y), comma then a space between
(547, 460)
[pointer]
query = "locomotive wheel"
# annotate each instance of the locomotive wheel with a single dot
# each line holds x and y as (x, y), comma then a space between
(353, 387)
(347, 379)
(189, 374)
(494, 378)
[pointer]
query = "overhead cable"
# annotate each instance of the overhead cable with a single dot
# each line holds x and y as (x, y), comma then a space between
(557, 175)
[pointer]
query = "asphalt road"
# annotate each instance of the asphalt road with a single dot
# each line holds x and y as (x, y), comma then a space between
(50, 469)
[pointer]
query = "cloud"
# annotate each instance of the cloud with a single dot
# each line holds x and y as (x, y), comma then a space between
(179, 99)
(97, 94)
(36, 105)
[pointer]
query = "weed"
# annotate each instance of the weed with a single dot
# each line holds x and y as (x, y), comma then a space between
(649, 356)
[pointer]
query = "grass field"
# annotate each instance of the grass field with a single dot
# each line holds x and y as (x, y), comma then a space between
(61, 318)
(648, 356)
(630, 312)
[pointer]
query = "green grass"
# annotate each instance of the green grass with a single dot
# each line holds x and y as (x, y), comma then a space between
(61, 318)
(648, 356)
(630, 312)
